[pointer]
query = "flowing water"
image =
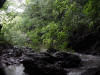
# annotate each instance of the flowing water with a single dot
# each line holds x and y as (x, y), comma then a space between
(15, 70)
(89, 61)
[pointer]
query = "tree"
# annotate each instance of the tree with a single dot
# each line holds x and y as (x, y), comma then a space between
(1, 3)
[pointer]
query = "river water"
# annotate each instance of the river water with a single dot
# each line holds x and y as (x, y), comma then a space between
(15, 70)
(89, 61)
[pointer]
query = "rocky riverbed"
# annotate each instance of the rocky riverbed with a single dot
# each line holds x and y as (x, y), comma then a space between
(24, 61)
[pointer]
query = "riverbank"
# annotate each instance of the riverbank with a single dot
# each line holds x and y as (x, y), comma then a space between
(25, 61)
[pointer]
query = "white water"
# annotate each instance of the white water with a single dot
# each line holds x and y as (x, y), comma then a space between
(89, 61)
(15, 70)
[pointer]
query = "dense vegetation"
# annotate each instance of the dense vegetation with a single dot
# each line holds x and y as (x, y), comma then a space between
(50, 23)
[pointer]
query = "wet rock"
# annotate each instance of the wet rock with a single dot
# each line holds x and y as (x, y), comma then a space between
(13, 55)
(52, 50)
(16, 51)
(2, 70)
(32, 67)
(67, 60)
(42, 57)
(44, 63)
(45, 57)
(92, 71)
(41, 63)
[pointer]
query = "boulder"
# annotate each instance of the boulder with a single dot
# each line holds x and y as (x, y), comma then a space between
(67, 60)
(44, 63)
(33, 67)
(52, 50)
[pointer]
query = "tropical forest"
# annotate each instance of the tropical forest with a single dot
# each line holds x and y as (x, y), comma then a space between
(49, 37)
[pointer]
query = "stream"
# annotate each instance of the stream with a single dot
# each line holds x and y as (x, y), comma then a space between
(89, 61)
(15, 70)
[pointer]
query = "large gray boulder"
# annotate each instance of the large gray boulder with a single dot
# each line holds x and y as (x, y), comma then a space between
(44, 63)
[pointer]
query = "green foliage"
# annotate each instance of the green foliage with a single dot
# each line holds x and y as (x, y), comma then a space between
(11, 29)
(50, 34)
(49, 23)
(92, 9)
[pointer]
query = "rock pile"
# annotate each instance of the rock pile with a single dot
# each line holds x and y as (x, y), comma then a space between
(44, 63)
(41, 63)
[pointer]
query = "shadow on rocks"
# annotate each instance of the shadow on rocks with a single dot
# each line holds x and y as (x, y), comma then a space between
(2, 70)
(44, 63)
